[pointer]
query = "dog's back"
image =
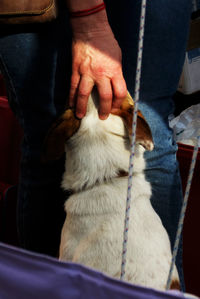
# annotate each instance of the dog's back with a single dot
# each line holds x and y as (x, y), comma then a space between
(97, 161)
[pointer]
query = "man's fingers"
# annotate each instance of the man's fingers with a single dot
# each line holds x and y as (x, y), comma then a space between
(111, 94)
(119, 91)
(106, 95)
(84, 90)
(75, 79)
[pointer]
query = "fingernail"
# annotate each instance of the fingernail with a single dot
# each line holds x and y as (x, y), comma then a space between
(103, 116)
(79, 115)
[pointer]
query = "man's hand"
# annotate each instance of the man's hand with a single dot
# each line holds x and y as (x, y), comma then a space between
(97, 61)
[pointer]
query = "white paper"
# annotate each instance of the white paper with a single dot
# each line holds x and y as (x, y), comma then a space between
(186, 126)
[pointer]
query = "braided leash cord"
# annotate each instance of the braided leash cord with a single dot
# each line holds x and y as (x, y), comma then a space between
(136, 99)
(182, 213)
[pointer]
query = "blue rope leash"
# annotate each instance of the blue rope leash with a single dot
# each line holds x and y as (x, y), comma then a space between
(182, 213)
(133, 137)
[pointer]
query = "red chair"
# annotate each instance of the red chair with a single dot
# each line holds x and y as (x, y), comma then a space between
(10, 139)
(191, 242)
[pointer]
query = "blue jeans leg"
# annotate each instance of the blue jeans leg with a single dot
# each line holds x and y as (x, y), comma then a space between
(36, 62)
(166, 31)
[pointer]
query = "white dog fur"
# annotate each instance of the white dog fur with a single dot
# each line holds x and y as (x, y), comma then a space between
(92, 234)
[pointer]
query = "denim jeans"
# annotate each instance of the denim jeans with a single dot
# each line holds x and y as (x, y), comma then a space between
(36, 61)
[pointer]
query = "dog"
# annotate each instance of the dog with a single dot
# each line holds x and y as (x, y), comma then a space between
(96, 174)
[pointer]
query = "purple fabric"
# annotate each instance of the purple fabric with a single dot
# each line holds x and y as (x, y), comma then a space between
(26, 275)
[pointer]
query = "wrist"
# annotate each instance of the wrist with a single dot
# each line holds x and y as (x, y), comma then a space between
(89, 11)
(88, 17)
(91, 24)
(79, 5)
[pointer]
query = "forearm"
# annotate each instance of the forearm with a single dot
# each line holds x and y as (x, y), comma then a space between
(93, 23)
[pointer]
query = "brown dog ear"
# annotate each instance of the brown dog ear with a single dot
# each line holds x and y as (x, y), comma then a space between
(143, 132)
(54, 144)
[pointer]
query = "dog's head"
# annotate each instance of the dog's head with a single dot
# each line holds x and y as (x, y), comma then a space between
(143, 132)
(67, 125)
